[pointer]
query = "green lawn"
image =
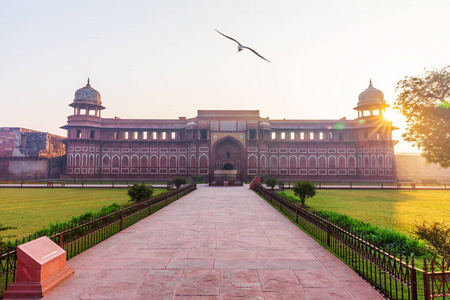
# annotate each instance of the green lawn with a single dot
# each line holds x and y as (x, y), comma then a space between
(32, 209)
(393, 209)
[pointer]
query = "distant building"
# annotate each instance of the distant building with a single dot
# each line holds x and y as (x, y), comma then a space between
(30, 154)
(414, 167)
(359, 149)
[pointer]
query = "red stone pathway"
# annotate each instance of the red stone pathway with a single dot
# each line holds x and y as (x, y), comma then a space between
(215, 243)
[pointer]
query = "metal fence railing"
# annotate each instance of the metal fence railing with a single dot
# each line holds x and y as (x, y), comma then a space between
(392, 274)
(75, 238)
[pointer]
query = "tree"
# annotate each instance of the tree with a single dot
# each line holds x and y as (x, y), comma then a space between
(425, 102)
(437, 236)
(140, 192)
(179, 181)
(304, 189)
(272, 182)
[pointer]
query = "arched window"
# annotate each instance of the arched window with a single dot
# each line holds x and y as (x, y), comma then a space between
(91, 160)
(380, 161)
(274, 162)
(322, 162)
(374, 161)
(292, 162)
(105, 163)
(182, 162)
(134, 161)
(144, 161)
(341, 162)
(173, 161)
(351, 162)
(312, 162)
(252, 162)
(332, 162)
(77, 160)
(283, 162)
(302, 162)
(366, 162)
(115, 161)
(163, 162)
(153, 162)
(124, 161)
(84, 162)
(203, 162)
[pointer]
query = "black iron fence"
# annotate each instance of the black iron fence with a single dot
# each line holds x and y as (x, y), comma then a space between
(75, 238)
(392, 274)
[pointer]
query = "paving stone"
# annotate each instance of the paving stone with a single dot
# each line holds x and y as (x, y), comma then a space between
(216, 243)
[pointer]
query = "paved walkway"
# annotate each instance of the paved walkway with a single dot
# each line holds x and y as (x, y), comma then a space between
(215, 243)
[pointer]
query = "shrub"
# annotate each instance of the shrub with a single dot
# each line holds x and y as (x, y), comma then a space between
(384, 237)
(179, 181)
(437, 235)
(4, 228)
(271, 182)
(140, 192)
(304, 189)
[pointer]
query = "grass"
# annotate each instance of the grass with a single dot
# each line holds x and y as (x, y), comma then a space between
(33, 209)
(392, 209)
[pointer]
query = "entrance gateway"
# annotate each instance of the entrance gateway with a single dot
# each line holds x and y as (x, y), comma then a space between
(228, 156)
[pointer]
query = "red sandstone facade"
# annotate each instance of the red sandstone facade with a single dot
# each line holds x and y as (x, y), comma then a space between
(360, 149)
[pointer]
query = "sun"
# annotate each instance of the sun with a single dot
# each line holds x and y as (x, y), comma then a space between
(398, 120)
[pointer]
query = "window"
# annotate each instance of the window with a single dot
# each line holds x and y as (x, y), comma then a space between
(292, 134)
(311, 135)
(154, 135)
(163, 135)
(135, 135)
(115, 135)
(321, 135)
(203, 134)
(144, 135)
(283, 135)
(273, 135)
(330, 135)
(78, 135)
(252, 134)
(378, 135)
(302, 135)
(126, 135)
(341, 136)
(228, 155)
(92, 134)
(173, 135)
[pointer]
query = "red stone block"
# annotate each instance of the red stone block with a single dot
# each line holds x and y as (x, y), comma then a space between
(41, 266)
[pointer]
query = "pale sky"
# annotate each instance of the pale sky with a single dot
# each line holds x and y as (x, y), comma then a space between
(163, 59)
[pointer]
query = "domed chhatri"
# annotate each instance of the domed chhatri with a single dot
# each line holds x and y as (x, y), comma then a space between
(371, 96)
(371, 102)
(87, 95)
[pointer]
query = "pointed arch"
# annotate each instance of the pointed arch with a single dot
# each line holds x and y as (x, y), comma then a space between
(273, 162)
(153, 161)
(303, 162)
(135, 161)
(125, 161)
(292, 162)
(163, 161)
(144, 161)
(322, 162)
(106, 161)
(172, 161)
(182, 161)
(252, 161)
(312, 162)
(283, 162)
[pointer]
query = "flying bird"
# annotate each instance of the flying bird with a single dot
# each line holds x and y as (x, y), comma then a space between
(240, 46)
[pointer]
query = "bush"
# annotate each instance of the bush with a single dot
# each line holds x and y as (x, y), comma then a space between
(384, 237)
(4, 228)
(437, 235)
(179, 181)
(304, 189)
(140, 192)
(271, 182)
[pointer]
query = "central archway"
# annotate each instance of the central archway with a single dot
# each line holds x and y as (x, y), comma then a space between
(228, 166)
(228, 154)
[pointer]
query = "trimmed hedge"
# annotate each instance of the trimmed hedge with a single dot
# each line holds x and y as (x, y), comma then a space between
(372, 233)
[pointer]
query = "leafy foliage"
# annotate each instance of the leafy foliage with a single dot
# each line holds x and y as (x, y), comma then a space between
(372, 233)
(139, 192)
(271, 182)
(304, 189)
(179, 181)
(4, 228)
(425, 102)
(437, 235)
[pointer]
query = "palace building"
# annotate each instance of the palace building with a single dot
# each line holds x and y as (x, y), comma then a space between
(242, 140)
